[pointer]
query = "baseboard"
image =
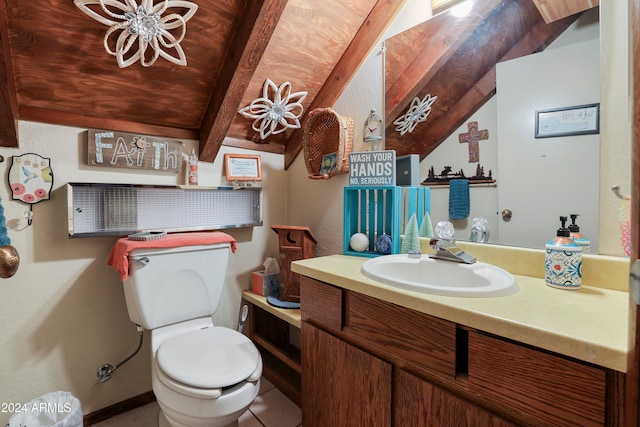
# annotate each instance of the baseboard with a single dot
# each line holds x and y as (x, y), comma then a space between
(118, 408)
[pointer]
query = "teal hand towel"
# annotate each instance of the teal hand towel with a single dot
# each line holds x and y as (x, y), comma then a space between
(458, 198)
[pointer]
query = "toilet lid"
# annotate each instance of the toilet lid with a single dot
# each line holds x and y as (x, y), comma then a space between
(208, 358)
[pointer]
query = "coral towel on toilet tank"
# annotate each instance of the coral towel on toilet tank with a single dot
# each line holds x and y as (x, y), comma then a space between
(118, 259)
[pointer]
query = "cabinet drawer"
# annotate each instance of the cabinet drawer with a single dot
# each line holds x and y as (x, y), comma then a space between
(535, 387)
(402, 335)
(321, 303)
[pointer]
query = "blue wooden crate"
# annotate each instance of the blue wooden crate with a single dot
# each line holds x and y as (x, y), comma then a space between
(381, 210)
(415, 200)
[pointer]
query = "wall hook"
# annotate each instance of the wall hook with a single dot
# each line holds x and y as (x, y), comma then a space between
(616, 191)
(29, 215)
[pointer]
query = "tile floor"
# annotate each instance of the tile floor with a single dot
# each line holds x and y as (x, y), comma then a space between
(270, 409)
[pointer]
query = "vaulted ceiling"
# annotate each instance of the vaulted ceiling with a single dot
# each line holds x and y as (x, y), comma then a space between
(54, 67)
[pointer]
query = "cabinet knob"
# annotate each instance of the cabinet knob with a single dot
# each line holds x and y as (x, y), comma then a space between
(506, 214)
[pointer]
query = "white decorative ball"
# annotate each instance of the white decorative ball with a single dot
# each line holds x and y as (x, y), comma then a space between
(359, 242)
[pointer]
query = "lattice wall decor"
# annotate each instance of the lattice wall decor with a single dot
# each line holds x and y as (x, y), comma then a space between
(121, 209)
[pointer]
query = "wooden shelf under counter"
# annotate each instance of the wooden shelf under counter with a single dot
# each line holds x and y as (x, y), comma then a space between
(269, 328)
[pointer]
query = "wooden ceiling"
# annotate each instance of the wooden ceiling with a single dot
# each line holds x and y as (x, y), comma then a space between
(54, 68)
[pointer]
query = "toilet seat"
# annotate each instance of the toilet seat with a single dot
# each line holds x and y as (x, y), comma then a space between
(210, 358)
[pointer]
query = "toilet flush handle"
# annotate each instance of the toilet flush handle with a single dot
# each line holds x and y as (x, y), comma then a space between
(144, 260)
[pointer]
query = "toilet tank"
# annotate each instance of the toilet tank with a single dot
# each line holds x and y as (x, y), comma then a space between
(171, 285)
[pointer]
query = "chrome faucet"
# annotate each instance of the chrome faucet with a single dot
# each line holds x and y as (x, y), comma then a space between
(449, 251)
(479, 230)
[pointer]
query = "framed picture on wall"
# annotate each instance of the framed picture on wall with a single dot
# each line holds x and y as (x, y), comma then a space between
(568, 121)
(242, 167)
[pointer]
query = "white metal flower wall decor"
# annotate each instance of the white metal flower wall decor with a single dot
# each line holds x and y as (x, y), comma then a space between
(418, 112)
(277, 113)
(130, 22)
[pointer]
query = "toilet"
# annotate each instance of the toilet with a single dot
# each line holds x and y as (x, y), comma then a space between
(202, 374)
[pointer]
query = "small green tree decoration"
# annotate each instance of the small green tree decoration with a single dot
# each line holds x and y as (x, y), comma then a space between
(411, 240)
(426, 228)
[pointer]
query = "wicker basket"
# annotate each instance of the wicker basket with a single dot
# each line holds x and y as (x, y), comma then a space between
(328, 140)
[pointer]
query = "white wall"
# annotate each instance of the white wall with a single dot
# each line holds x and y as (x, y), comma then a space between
(62, 315)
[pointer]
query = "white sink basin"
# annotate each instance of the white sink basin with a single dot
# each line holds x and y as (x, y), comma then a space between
(441, 277)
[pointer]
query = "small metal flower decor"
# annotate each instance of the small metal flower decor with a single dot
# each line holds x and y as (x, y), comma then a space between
(144, 23)
(417, 112)
(30, 179)
(277, 110)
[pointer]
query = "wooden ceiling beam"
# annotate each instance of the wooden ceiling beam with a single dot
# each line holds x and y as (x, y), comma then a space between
(255, 27)
(370, 31)
(8, 103)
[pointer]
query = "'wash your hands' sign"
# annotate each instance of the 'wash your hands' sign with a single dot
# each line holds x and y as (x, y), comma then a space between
(372, 168)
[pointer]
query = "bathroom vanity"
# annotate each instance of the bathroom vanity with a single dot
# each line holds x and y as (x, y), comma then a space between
(384, 356)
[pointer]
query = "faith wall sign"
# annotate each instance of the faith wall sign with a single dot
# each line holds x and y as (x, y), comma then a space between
(132, 151)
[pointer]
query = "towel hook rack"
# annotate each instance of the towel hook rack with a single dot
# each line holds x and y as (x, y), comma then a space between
(616, 191)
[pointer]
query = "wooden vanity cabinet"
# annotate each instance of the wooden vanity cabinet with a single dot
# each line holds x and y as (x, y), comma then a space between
(343, 385)
(417, 402)
(375, 363)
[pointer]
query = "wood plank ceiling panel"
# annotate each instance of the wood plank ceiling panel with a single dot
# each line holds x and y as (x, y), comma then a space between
(57, 70)
(8, 125)
(255, 28)
(553, 10)
(309, 41)
(368, 34)
(61, 66)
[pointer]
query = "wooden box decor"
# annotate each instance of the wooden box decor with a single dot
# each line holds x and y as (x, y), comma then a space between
(375, 211)
(328, 140)
(295, 243)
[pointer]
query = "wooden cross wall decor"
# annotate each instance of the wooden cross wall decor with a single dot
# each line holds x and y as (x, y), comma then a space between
(472, 138)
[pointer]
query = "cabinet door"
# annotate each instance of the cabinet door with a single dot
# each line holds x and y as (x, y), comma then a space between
(420, 403)
(341, 384)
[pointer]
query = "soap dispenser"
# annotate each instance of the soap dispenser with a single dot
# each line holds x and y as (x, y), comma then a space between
(563, 260)
(574, 229)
